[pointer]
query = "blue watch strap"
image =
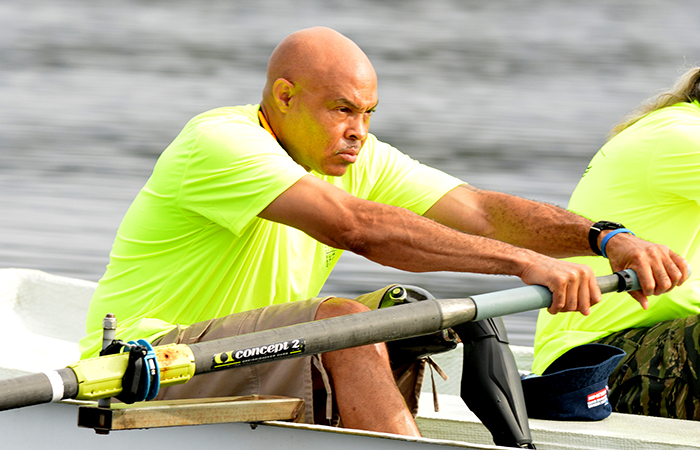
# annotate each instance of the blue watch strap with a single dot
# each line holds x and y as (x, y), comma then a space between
(609, 235)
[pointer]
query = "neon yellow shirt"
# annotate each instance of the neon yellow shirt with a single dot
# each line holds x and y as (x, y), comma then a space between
(648, 178)
(191, 246)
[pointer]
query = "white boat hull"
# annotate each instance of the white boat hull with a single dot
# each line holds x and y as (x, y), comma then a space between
(53, 426)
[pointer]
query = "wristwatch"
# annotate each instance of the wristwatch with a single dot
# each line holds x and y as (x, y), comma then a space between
(595, 232)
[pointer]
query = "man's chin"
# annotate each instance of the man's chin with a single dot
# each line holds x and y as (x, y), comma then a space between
(335, 170)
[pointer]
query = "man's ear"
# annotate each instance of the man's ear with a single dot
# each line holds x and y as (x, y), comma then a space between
(282, 92)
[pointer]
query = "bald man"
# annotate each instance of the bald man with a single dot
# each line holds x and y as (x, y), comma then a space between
(249, 208)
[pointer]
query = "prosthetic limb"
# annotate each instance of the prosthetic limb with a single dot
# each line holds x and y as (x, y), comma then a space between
(491, 383)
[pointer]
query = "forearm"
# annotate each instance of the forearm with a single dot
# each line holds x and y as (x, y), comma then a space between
(390, 235)
(524, 223)
(538, 226)
(398, 238)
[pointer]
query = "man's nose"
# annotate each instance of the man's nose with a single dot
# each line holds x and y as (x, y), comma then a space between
(358, 128)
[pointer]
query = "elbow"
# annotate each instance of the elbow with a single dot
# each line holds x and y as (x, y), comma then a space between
(354, 238)
(360, 245)
(357, 233)
(369, 229)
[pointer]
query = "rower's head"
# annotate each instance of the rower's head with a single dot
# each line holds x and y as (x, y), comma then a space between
(320, 92)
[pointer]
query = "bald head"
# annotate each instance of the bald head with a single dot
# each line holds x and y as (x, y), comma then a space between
(320, 93)
(317, 57)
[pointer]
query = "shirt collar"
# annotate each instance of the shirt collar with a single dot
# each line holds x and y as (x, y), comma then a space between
(264, 124)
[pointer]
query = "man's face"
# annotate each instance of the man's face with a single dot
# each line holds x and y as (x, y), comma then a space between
(326, 126)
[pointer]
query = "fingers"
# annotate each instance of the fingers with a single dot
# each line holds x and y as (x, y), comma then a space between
(581, 294)
(574, 288)
(641, 298)
(672, 272)
(647, 280)
(558, 301)
(682, 266)
(594, 290)
(659, 269)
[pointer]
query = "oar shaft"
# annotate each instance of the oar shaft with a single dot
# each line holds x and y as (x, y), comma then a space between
(322, 336)
(384, 325)
(37, 388)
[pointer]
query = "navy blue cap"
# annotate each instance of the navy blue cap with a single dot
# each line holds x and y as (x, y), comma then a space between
(574, 386)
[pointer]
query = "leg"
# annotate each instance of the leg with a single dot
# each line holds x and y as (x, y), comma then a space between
(658, 376)
(365, 390)
(286, 378)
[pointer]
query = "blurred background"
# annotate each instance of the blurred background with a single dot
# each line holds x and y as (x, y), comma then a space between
(509, 95)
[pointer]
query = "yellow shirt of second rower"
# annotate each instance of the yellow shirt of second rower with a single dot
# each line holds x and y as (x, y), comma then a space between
(647, 178)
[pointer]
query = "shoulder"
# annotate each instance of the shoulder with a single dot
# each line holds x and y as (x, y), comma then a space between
(379, 155)
(667, 132)
(241, 118)
(229, 131)
(225, 142)
(682, 119)
(679, 132)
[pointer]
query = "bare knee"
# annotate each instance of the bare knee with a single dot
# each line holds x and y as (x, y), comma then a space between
(335, 307)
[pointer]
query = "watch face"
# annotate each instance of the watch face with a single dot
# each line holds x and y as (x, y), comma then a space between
(605, 225)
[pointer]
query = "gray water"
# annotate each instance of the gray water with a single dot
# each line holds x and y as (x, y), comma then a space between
(514, 96)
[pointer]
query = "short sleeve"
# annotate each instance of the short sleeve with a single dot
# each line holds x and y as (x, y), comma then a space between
(233, 172)
(388, 176)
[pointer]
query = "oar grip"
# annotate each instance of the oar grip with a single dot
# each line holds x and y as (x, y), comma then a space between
(511, 301)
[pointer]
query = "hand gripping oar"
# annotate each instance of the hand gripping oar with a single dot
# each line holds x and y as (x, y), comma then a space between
(101, 377)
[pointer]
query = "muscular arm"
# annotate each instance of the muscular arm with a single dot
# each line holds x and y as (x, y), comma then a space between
(481, 232)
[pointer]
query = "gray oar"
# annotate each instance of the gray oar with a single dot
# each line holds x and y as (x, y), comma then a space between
(101, 377)
(383, 325)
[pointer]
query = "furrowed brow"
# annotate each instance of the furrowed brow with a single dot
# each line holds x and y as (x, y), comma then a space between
(350, 104)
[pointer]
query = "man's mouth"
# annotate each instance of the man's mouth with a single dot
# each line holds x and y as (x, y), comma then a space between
(349, 157)
(349, 154)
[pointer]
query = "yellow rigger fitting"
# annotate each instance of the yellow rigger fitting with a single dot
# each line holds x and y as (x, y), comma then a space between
(101, 377)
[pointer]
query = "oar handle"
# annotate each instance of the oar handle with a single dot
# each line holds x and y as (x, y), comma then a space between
(501, 303)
